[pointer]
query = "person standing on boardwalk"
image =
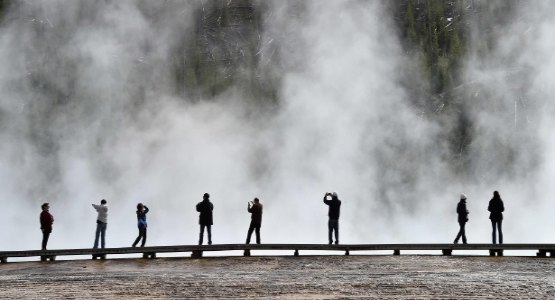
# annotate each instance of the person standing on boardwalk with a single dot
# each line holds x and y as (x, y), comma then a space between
(256, 219)
(101, 223)
(463, 218)
(142, 210)
(333, 214)
(205, 208)
(46, 221)
(496, 209)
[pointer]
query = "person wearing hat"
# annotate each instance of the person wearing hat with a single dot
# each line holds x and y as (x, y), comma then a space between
(205, 208)
(333, 213)
(462, 211)
(46, 221)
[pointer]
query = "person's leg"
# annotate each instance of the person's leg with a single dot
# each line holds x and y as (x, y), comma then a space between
(97, 234)
(257, 230)
(493, 232)
(138, 238)
(459, 234)
(201, 235)
(209, 230)
(103, 235)
(500, 231)
(144, 236)
(463, 232)
(249, 233)
(45, 236)
(336, 228)
(330, 229)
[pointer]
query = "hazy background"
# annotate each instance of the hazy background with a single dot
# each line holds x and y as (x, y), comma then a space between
(90, 108)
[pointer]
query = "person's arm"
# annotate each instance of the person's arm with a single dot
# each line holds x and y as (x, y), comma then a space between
(42, 220)
(327, 202)
(96, 206)
(146, 209)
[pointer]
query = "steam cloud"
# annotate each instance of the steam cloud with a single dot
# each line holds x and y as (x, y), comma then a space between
(88, 110)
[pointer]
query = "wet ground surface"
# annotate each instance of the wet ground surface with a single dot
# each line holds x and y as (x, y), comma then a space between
(397, 277)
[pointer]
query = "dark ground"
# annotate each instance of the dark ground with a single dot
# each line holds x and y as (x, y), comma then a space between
(397, 277)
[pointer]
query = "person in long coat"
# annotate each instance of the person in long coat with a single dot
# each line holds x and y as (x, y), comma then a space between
(205, 208)
(496, 209)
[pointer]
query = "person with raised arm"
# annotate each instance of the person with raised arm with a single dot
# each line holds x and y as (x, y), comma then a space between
(255, 209)
(101, 223)
(142, 210)
(205, 208)
(333, 213)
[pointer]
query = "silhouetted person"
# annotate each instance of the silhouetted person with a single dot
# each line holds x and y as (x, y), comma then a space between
(101, 223)
(463, 218)
(333, 214)
(142, 210)
(256, 219)
(46, 221)
(496, 208)
(205, 208)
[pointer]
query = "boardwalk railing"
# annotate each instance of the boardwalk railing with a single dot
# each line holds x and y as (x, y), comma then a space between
(197, 250)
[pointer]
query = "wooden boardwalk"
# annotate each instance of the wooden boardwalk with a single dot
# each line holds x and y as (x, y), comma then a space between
(196, 250)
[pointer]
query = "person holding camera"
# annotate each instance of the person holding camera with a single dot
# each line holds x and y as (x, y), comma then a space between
(205, 208)
(255, 208)
(101, 223)
(333, 223)
(142, 210)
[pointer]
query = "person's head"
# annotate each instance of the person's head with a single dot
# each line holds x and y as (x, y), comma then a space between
(45, 206)
(334, 195)
(103, 201)
(463, 197)
(140, 207)
(256, 200)
(206, 196)
(496, 195)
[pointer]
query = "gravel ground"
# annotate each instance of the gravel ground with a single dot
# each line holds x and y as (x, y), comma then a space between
(312, 277)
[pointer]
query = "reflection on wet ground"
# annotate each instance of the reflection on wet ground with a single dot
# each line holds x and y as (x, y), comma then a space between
(405, 277)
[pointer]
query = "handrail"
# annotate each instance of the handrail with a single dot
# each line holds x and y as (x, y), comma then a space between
(150, 252)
